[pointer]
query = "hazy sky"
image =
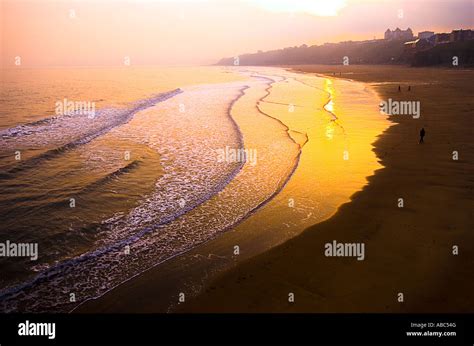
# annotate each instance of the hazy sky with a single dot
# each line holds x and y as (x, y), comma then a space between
(177, 32)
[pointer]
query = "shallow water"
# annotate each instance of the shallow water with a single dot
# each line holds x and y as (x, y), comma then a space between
(340, 121)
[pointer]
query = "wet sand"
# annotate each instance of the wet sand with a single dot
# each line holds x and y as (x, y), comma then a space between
(408, 250)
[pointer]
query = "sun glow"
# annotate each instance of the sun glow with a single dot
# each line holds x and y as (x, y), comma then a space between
(313, 7)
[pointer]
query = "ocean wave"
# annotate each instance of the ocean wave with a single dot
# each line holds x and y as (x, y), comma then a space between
(202, 179)
(67, 132)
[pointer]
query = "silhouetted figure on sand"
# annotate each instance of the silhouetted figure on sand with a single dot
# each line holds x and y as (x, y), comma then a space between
(422, 134)
(399, 89)
(409, 88)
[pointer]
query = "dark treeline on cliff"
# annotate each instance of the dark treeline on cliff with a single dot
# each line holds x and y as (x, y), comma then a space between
(443, 54)
(362, 52)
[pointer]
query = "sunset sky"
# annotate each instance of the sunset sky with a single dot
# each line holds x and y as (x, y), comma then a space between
(183, 32)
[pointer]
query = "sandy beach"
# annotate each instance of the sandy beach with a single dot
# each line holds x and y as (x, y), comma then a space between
(408, 250)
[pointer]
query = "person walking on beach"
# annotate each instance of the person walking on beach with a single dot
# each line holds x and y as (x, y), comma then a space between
(399, 89)
(409, 88)
(422, 134)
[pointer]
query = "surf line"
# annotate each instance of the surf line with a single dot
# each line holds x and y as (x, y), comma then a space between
(257, 207)
(225, 229)
(334, 117)
(220, 186)
(11, 293)
(287, 129)
(125, 118)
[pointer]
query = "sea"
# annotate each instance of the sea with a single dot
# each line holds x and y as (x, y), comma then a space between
(112, 171)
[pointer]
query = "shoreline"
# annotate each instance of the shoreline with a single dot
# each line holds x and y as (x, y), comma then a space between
(84, 306)
(213, 257)
(410, 249)
(261, 283)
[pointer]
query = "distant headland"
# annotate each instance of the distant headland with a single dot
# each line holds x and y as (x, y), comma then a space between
(397, 47)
